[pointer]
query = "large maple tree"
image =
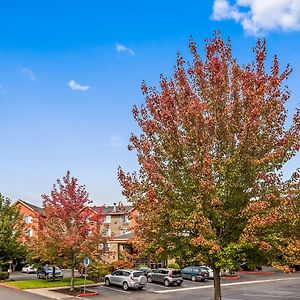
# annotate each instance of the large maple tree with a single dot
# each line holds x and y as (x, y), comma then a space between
(67, 230)
(213, 142)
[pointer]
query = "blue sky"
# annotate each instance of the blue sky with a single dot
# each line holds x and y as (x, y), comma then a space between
(70, 72)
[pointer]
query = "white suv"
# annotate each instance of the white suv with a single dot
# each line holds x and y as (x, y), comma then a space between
(127, 279)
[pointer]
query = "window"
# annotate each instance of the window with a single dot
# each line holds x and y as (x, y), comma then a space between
(29, 232)
(107, 232)
(28, 219)
(107, 219)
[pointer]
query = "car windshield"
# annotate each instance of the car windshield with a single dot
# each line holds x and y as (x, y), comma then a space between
(138, 274)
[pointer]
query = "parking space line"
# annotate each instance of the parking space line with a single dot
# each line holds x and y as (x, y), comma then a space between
(224, 285)
(117, 290)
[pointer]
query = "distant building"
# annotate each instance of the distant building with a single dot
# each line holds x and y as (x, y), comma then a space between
(30, 215)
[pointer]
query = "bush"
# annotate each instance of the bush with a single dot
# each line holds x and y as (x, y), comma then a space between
(98, 270)
(4, 275)
(121, 264)
(173, 266)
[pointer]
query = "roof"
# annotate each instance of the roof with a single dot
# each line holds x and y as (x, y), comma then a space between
(113, 209)
(33, 207)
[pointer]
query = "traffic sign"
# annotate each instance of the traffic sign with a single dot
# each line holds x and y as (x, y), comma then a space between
(86, 261)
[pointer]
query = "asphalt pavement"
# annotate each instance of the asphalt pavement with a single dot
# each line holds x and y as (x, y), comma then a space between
(274, 286)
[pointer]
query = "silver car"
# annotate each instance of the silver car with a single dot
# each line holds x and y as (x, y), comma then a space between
(127, 279)
(165, 276)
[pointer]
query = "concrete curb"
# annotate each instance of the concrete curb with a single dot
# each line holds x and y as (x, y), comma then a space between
(231, 277)
(9, 286)
(88, 294)
(258, 272)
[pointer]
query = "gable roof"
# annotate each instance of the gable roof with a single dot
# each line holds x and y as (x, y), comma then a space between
(32, 207)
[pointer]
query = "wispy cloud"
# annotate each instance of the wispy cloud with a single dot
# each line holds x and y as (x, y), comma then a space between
(258, 17)
(115, 142)
(73, 85)
(122, 48)
(28, 73)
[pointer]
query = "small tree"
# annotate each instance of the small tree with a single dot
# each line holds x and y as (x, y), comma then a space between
(11, 230)
(212, 146)
(68, 231)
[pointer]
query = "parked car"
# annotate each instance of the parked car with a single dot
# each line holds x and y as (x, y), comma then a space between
(209, 270)
(165, 276)
(29, 269)
(245, 267)
(146, 270)
(195, 273)
(127, 278)
(47, 272)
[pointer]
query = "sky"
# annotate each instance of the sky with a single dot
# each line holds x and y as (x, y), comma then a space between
(70, 72)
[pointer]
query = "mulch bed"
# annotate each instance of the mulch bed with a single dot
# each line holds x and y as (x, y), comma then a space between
(77, 292)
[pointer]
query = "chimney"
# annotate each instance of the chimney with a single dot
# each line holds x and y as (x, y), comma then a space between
(115, 208)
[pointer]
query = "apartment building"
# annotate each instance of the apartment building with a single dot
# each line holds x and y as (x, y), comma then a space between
(31, 214)
(116, 226)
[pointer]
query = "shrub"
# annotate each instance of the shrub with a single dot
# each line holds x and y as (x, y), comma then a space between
(173, 266)
(98, 270)
(4, 275)
(121, 264)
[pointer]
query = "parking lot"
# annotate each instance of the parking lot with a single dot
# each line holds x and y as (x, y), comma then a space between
(248, 287)
(275, 286)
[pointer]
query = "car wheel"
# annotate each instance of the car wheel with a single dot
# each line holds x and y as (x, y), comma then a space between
(202, 280)
(179, 283)
(166, 282)
(27, 272)
(107, 282)
(193, 278)
(140, 288)
(125, 286)
(149, 279)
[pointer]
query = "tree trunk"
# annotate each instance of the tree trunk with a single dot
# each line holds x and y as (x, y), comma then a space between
(217, 283)
(72, 277)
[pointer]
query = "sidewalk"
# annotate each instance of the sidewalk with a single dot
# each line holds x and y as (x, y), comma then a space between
(49, 292)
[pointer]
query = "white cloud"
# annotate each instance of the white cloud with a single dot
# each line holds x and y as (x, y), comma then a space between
(260, 16)
(29, 73)
(73, 85)
(122, 48)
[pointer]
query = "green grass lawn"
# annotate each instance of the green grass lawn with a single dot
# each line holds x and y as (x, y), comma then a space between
(43, 283)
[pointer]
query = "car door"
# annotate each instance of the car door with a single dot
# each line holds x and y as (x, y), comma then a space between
(115, 277)
(124, 277)
(155, 275)
(162, 275)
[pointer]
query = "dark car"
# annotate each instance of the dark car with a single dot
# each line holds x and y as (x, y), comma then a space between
(195, 273)
(145, 270)
(246, 267)
(47, 272)
(165, 276)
